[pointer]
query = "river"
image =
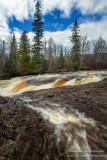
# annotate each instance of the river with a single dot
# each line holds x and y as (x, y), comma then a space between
(72, 128)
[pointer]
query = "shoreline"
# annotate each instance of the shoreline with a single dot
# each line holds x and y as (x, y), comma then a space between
(7, 77)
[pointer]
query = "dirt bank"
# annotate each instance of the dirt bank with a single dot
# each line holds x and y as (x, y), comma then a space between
(25, 135)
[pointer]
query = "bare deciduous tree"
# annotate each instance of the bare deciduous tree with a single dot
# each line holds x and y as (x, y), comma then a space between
(85, 48)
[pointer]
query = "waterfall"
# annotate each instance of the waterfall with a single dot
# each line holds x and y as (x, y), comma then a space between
(70, 129)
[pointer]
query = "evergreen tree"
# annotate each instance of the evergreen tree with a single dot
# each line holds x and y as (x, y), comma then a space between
(24, 43)
(13, 55)
(11, 59)
(76, 48)
(38, 29)
(24, 53)
(61, 59)
(2, 56)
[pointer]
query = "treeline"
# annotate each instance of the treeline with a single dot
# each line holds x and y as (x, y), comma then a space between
(46, 56)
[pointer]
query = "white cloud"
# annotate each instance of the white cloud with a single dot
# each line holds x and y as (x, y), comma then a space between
(17, 33)
(85, 6)
(19, 9)
(24, 9)
(4, 32)
(60, 37)
(31, 35)
(58, 26)
(63, 5)
(92, 6)
(93, 30)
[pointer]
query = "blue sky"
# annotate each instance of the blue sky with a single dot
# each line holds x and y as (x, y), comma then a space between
(58, 16)
(53, 22)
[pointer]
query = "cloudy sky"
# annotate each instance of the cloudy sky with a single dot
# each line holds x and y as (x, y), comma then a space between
(58, 16)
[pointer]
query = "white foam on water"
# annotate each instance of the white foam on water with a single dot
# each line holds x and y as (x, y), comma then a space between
(85, 80)
(76, 144)
(70, 127)
(7, 86)
(58, 116)
(70, 130)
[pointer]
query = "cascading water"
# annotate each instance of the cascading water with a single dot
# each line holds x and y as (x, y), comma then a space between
(69, 129)
(29, 83)
(70, 126)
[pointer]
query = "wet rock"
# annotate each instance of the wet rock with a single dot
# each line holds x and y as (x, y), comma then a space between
(87, 94)
(7, 148)
(2, 100)
(2, 158)
(25, 135)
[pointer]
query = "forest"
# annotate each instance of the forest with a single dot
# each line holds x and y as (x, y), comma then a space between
(41, 56)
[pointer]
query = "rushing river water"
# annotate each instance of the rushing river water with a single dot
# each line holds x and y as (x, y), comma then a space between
(70, 129)
(73, 129)
(28, 83)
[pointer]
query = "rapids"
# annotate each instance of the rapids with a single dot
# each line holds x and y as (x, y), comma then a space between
(29, 83)
(73, 129)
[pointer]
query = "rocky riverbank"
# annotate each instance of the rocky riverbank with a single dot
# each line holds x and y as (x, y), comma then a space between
(89, 98)
(26, 135)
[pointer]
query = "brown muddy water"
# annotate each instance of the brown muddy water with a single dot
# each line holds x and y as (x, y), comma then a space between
(78, 133)
(29, 83)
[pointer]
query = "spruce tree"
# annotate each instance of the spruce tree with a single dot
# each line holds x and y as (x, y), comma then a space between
(13, 55)
(61, 59)
(24, 53)
(38, 30)
(2, 56)
(24, 43)
(76, 48)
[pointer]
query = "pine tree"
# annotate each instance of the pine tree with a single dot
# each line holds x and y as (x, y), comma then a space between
(11, 59)
(13, 55)
(38, 30)
(2, 56)
(24, 53)
(24, 43)
(76, 48)
(61, 59)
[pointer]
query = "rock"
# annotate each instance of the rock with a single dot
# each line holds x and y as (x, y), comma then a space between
(2, 158)
(2, 100)
(25, 135)
(7, 148)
